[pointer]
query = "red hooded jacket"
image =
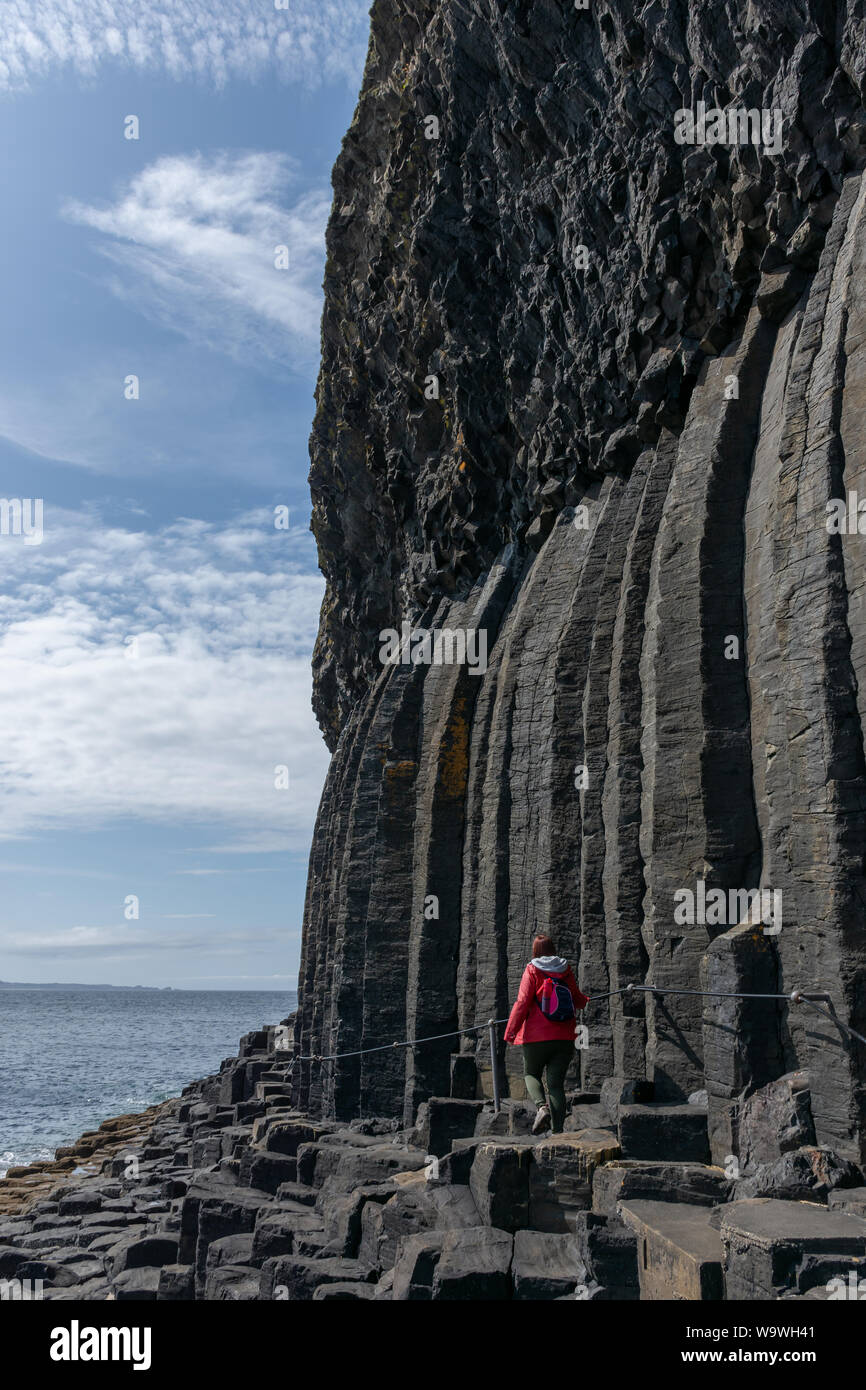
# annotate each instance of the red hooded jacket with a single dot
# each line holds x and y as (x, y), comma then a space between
(527, 1024)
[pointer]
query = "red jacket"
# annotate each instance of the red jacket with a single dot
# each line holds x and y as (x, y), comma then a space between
(527, 1024)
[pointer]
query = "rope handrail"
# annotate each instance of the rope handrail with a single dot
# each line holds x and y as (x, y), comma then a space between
(796, 996)
(405, 1042)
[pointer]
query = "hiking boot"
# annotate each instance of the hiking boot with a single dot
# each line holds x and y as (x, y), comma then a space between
(542, 1120)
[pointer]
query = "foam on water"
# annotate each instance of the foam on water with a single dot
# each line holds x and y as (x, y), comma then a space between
(70, 1059)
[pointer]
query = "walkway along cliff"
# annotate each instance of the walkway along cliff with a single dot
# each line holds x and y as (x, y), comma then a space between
(590, 388)
(587, 471)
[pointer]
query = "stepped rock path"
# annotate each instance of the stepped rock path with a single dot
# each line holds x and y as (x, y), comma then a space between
(230, 1193)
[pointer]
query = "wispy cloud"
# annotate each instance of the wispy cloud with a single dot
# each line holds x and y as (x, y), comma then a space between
(161, 676)
(196, 239)
(260, 979)
(240, 848)
(197, 418)
(119, 942)
(184, 916)
(310, 41)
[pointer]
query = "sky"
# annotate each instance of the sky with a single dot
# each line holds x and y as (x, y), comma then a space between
(160, 766)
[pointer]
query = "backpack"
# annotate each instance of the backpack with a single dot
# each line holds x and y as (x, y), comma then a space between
(555, 1001)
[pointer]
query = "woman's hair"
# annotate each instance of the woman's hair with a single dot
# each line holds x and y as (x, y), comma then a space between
(543, 946)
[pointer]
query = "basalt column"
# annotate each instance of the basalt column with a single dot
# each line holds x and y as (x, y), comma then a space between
(590, 382)
(698, 814)
(622, 877)
(816, 790)
(434, 929)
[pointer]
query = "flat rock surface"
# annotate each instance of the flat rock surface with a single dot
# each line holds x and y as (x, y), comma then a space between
(686, 1227)
(765, 1221)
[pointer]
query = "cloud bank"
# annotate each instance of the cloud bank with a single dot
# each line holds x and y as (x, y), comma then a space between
(309, 42)
(161, 676)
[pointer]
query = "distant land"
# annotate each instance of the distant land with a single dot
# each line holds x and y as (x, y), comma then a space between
(18, 984)
(153, 989)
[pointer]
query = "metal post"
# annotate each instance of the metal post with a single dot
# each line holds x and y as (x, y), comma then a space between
(490, 1024)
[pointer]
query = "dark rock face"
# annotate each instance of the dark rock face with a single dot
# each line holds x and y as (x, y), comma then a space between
(775, 1120)
(623, 483)
(546, 1266)
(454, 1266)
(629, 1179)
(801, 1175)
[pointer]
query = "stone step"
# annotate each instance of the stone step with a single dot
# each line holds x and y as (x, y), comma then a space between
(546, 1266)
(297, 1192)
(680, 1252)
(417, 1205)
(268, 1090)
(772, 1246)
(540, 1184)
(355, 1164)
(636, 1179)
(464, 1265)
(561, 1175)
(441, 1120)
(282, 1133)
(850, 1199)
(674, 1132)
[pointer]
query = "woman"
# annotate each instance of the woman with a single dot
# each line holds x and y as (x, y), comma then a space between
(542, 1022)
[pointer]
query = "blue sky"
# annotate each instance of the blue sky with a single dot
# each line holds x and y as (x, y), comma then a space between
(155, 646)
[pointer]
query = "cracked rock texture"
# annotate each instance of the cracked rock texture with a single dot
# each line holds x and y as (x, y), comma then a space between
(623, 482)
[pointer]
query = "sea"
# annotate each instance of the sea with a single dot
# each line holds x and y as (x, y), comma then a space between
(71, 1058)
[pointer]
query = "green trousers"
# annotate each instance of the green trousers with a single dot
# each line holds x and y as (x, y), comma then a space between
(555, 1058)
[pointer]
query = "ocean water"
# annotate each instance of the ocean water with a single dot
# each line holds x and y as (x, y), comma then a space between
(70, 1058)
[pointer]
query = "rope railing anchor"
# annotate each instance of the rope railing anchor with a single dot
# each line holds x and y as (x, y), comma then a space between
(491, 1023)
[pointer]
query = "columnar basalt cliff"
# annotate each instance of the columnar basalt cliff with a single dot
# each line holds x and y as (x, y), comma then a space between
(589, 391)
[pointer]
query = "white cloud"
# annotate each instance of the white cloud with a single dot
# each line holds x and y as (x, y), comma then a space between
(260, 979)
(122, 942)
(185, 724)
(241, 848)
(310, 41)
(195, 241)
